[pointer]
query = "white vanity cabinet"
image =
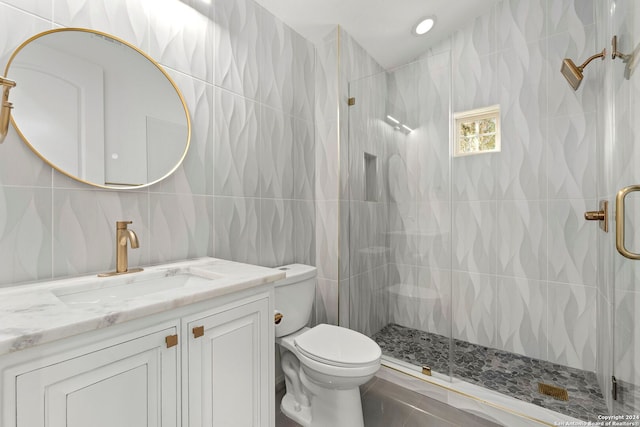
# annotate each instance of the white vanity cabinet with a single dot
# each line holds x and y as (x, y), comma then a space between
(152, 371)
(229, 361)
(133, 383)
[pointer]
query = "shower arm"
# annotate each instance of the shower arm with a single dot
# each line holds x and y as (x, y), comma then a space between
(614, 50)
(591, 58)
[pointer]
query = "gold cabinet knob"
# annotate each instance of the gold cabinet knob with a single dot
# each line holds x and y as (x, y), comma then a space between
(171, 341)
(198, 331)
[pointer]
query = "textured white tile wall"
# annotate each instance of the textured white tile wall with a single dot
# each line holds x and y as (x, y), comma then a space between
(521, 316)
(541, 182)
(504, 231)
(246, 190)
(248, 187)
(327, 173)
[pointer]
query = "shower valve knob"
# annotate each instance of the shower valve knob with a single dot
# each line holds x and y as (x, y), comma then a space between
(594, 215)
(601, 215)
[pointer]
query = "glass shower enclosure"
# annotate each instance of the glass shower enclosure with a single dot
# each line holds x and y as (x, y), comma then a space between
(482, 267)
(399, 223)
(620, 277)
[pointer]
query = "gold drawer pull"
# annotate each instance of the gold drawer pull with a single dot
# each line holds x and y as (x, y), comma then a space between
(198, 331)
(171, 340)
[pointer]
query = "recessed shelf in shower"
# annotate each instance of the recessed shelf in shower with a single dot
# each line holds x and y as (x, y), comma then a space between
(370, 178)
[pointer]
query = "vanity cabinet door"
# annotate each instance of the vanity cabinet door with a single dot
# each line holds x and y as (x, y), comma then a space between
(131, 384)
(228, 364)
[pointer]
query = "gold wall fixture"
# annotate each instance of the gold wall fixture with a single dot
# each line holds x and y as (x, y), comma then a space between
(629, 59)
(5, 109)
(614, 50)
(602, 216)
(573, 73)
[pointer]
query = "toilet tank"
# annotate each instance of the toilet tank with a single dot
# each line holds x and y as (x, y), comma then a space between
(294, 297)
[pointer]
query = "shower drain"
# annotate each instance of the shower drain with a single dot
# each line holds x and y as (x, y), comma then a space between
(553, 391)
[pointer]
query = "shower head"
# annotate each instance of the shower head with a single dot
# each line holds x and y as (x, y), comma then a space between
(573, 73)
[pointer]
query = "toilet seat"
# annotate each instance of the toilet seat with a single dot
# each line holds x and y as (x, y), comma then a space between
(338, 346)
(325, 370)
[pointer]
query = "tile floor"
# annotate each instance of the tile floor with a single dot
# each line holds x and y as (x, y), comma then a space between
(508, 373)
(385, 404)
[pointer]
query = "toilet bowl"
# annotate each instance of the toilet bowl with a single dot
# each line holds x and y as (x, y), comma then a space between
(324, 366)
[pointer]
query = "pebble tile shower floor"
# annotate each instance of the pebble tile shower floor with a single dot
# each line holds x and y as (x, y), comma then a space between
(508, 373)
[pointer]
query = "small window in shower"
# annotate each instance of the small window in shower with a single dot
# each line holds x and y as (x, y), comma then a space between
(477, 131)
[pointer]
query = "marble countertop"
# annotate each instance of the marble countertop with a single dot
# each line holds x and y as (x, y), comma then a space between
(42, 312)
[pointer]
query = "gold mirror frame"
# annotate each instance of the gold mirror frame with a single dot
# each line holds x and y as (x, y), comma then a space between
(144, 55)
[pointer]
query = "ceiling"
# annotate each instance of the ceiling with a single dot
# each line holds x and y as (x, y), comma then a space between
(382, 27)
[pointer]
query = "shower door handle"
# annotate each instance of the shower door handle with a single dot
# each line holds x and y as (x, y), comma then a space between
(620, 220)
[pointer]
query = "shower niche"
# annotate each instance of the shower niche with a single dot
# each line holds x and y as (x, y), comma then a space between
(370, 177)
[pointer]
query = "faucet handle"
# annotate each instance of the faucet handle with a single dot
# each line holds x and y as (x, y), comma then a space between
(122, 225)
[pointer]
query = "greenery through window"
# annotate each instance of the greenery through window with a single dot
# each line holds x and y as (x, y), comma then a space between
(477, 131)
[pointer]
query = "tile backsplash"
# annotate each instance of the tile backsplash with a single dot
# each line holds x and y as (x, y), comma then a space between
(246, 190)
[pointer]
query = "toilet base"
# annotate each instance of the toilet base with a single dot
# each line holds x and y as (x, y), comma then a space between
(319, 395)
(329, 408)
(293, 410)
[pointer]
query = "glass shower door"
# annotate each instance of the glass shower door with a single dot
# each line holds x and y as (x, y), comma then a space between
(624, 82)
(399, 213)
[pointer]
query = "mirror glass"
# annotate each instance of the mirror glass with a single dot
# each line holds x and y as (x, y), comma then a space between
(97, 108)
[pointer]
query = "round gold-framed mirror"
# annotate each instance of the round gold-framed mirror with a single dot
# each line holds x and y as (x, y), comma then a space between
(98, 109)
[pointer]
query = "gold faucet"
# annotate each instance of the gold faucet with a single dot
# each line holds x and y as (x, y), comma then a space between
(123, 237)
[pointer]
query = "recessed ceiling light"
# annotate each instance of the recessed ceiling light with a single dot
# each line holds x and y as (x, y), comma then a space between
(424, 25)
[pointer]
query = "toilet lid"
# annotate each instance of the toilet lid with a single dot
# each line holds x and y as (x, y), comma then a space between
(338, 346)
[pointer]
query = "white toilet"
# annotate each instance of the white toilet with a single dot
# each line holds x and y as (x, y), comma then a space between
(324, 366)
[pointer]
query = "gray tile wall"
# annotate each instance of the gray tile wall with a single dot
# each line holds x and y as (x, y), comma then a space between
(496, 240)
(246, 190)
(526, 203)
(327, 178)
(339, 60)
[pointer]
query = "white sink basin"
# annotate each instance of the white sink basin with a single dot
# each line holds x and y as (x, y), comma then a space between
(104, 291)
